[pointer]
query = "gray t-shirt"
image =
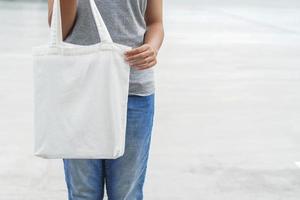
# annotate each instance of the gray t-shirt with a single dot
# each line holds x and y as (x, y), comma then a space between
(126, 25)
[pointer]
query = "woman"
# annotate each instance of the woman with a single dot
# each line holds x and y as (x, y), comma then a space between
(136, 23)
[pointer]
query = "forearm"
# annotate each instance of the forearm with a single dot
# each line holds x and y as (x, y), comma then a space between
(145, 56)
(68, 14)
(154, 35)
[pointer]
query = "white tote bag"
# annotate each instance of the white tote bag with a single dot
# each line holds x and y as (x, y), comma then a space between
(80, 95)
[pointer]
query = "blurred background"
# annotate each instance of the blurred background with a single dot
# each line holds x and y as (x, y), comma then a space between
(227, 121)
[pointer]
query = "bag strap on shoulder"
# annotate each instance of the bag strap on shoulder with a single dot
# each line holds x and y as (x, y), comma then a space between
(56, 36)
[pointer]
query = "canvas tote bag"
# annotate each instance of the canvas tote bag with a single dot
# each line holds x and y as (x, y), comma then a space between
(80, 95)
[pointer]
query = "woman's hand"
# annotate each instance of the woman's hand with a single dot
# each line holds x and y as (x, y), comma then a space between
(142, 57)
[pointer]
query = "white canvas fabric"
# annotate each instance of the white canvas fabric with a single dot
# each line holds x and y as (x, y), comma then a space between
(80, 95)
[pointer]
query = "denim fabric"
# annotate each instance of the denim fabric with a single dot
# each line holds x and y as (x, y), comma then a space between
(124, 177)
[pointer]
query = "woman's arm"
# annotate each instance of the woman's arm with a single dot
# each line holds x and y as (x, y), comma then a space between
(145, 56)
(68, 14)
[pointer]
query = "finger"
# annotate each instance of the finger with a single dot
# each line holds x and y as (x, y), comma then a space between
(142, 61)
(136, 50)
(145, 66)
(138, 62)
(142, 55)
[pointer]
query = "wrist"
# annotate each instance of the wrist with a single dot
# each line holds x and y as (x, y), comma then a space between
(155, 49)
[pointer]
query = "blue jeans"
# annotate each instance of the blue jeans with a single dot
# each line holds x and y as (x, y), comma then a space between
(124, 177)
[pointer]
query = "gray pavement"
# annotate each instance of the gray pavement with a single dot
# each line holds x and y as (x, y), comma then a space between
(227, 120)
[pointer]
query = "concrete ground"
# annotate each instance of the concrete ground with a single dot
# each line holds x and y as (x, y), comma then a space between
(227, 121)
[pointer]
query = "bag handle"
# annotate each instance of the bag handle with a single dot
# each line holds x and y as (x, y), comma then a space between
(56, 37)
(56, 29)
(101, 27)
